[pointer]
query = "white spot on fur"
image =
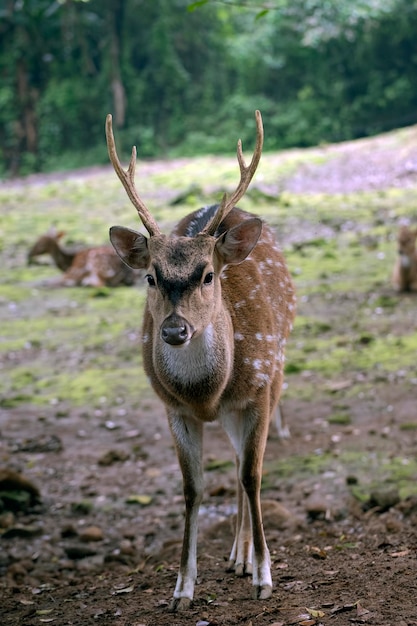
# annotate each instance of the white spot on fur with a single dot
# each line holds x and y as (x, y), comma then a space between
(263, 378)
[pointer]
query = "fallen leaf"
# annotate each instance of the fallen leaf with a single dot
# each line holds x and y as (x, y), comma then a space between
(342, 609)
(360, 610)
(44, 611)
(318, 553)
(302, 616)
(339, 385)
(144, 500)
(124, 590)
(401, 553)
(315, 612)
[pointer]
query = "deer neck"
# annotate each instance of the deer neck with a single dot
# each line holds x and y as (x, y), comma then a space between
(63, 259)
(197, 374)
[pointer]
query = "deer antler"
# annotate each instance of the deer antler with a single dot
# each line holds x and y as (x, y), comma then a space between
(127, 179)
(246, 175)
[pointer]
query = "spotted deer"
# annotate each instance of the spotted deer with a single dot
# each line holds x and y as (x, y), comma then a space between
(220, 306)
(405, 269)
(94, 266)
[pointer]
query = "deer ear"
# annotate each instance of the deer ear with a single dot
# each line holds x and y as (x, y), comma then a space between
(132, 247)
(235, 244)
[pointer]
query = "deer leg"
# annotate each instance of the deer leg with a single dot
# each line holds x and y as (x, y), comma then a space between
(240, 560)
(250, 476)
(281, 424)
(250, 552)
(188, 437)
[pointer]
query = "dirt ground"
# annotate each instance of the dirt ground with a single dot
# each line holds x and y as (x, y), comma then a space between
(101, 543)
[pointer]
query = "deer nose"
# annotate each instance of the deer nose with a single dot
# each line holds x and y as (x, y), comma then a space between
(176, 331)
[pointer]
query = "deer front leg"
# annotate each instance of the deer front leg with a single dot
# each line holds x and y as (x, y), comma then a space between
(188, 436)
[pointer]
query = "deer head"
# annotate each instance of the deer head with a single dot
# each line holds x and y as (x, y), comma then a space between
(183, 273)
(46, 244)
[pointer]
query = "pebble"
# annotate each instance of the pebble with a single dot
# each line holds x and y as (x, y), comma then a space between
(91, 533)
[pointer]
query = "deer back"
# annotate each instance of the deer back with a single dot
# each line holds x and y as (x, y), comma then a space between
(98, 266)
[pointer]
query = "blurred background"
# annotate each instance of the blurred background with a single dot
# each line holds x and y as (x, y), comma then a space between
(184, 77)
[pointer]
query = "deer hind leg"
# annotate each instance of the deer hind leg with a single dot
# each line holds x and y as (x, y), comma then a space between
(250, 552)
(188, 438)
(240, 560)
(281, 423)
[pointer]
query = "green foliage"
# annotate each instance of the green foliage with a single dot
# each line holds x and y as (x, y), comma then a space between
(184, 77)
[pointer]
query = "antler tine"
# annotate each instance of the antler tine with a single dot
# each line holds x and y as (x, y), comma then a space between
(127, 178)
(246, 175)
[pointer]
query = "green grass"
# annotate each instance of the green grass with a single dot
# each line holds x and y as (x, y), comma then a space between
(372, 470)
(349, 319)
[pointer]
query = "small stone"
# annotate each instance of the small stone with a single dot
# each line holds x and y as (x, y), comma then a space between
(7, 519)
(113, 456)
(126, 547)
(384, 499)
(76, 552)
(275, 515)
(91, 533)
(317, 508)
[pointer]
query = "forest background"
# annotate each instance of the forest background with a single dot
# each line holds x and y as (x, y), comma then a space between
(184, 77)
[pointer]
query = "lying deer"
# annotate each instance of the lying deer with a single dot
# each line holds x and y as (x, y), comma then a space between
(220, 305)
(94, 266)
(405, 269)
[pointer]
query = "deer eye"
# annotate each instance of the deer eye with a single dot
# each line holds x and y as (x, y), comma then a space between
(151, 280)
(208, 278)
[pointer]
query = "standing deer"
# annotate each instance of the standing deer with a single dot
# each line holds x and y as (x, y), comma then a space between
(405, 269)
(220, 305)
(95, 266)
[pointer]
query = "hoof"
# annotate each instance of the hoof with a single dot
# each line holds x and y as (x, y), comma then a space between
(179, 604)
(240, 569)
(262, 593)
(243, 569)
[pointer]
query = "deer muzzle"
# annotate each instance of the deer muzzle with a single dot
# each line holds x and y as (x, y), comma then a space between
(176, 331)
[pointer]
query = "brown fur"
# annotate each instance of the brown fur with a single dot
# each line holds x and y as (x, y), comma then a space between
(96, 266)
(404, 276)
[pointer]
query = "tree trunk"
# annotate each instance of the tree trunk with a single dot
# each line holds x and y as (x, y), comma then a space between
(116, 15)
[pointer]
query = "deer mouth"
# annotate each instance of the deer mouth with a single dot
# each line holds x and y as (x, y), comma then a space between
(176, 331)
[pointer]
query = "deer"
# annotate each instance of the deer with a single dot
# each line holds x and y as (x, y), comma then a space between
(404, 276)
(220, 305)
(94, 266)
